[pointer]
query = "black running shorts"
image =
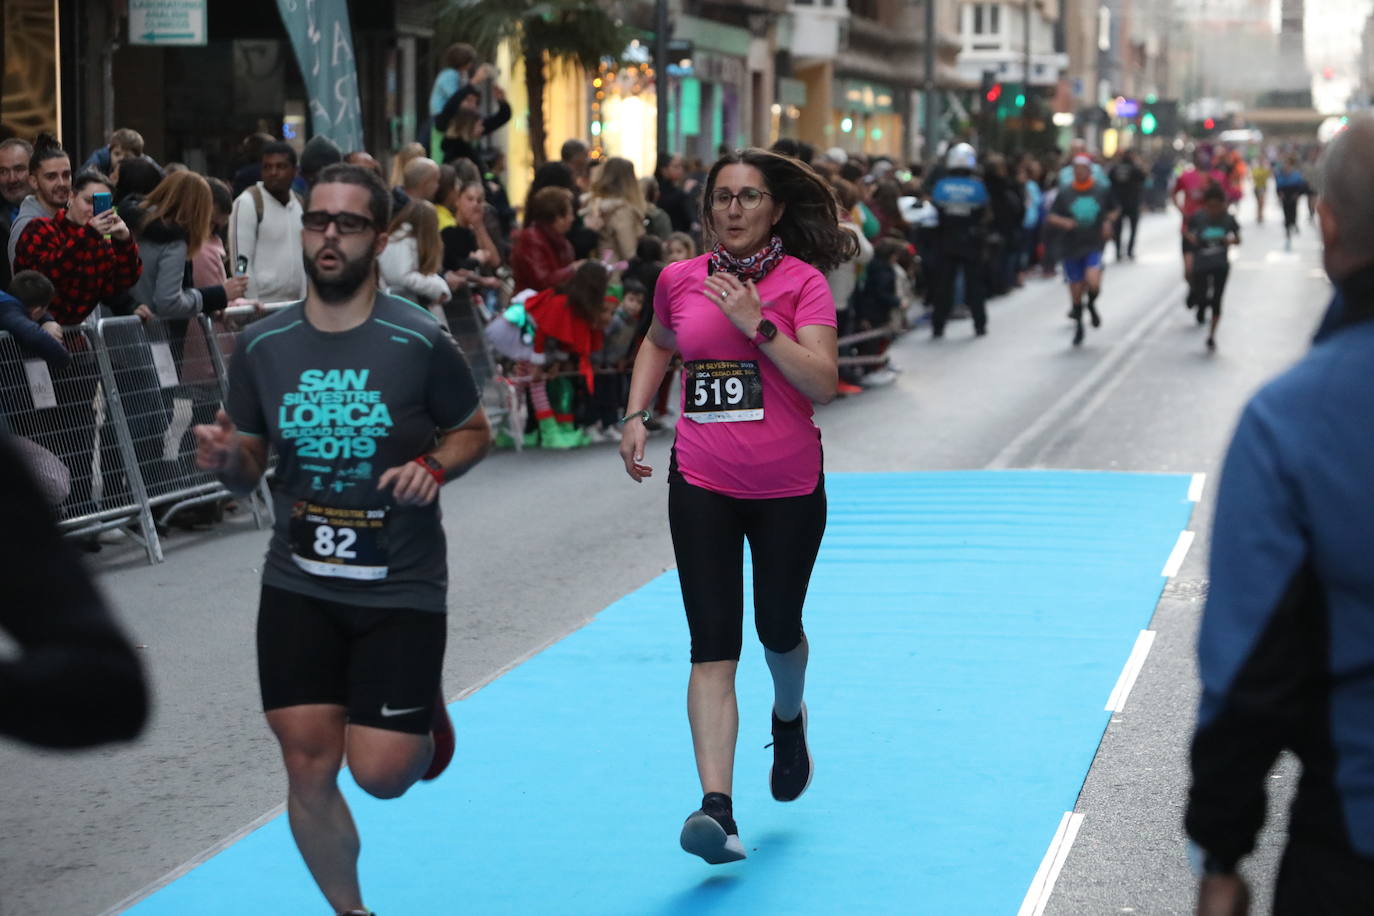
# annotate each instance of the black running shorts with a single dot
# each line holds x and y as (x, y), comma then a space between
(381, 664)
(709, 531)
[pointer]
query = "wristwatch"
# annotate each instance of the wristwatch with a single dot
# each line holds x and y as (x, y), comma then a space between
(431, 464)
(765, 332)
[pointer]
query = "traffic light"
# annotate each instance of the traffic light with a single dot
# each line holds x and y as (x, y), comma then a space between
(1020, 100)
(994, 93)
(1209, 124)
(1148, 123)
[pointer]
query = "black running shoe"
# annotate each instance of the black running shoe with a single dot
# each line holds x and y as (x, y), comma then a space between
(1078, 335)
(792, 764)
(1211, 344)
(710, 832)
(1092, 313)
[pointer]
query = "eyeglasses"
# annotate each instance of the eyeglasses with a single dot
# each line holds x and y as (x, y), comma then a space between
(348, 223)
(749, 198)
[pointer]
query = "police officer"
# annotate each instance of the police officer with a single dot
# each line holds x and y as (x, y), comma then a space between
(960, 239)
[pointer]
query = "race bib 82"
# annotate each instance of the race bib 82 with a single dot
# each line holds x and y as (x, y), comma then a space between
(339, 543)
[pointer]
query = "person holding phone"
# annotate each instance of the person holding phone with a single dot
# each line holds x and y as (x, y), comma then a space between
(179, 215)
(90, 256)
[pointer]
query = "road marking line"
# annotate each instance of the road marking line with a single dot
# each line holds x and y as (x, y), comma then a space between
(1042, 885)
(1070, 403)
(1175, 561)
(1195, 488)
(1117, 701)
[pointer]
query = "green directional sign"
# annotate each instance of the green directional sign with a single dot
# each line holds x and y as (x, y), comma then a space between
(167, 22)
(323, 41)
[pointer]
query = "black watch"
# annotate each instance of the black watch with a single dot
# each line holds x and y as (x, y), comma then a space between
(765, 332)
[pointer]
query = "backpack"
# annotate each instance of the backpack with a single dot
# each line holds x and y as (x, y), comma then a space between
(256, 192)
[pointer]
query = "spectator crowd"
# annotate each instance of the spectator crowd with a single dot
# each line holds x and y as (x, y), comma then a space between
(559, 286)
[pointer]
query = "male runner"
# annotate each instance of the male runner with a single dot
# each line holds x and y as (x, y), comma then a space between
(1186, 195)
(1084, 210)
(1211, 231)
(371, 407)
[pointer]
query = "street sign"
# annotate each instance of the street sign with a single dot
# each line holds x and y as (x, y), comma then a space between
(167, 22)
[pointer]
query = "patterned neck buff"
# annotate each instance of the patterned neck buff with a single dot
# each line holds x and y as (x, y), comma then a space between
(755, 267)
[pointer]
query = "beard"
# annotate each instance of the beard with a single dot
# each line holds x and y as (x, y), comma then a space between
(341, 285)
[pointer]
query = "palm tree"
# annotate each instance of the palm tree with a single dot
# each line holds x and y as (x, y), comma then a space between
(579, 31)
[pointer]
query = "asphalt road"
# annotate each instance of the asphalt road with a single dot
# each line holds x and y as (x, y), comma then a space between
(539, 543)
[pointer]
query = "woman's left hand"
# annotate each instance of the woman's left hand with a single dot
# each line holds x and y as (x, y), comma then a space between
(109, 223)
(737, 301)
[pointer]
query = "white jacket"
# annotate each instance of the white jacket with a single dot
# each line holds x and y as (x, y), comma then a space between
(400, 263)
(272, 246)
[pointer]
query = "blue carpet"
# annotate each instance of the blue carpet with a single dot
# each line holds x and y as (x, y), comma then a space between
(966, 630)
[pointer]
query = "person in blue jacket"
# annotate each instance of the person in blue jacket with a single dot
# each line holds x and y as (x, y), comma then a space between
(1286, 647)
(24, 314)
(960, 239)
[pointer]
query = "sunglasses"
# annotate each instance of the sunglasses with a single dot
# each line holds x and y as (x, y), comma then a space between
(347, 223)
(749, 198)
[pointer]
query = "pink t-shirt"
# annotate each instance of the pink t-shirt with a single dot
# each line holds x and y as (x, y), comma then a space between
(779, 455)
(1194, 183)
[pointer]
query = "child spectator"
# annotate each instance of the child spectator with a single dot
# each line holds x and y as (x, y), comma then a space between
(569, 319)
(410, 264)
(208, 266)
(612, 389)
(24, 314)
(679, 247)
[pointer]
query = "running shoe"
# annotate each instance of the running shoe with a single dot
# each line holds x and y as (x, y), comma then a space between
(1092, 314)
(710, 831)
(441, 730)
(1211, 344)
(792, 764)
(845, 389)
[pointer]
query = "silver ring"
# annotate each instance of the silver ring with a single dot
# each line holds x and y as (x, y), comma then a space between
(724, 296)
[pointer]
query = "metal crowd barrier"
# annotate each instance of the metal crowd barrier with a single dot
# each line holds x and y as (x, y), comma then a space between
(78, 442)
(109, 435)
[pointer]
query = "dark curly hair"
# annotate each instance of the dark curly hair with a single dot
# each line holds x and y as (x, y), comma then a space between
(809, 227)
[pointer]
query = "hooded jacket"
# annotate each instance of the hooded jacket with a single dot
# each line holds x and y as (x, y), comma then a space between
(620, 225)
(165, 285)
(31, 208)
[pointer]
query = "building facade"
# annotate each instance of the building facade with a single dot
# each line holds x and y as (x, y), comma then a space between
(852, 75)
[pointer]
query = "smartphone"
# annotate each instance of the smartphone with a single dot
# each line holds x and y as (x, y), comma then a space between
(241, 265)
(101, 201)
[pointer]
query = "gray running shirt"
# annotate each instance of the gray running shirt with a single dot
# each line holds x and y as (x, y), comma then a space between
(341, 408)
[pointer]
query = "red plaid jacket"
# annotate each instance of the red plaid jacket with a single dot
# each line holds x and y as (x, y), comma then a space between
(85, 267)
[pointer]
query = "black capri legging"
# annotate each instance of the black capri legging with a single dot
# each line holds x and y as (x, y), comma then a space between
(709, 531)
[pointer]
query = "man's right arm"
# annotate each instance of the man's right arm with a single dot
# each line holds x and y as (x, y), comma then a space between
(1260, 652)
(30, 334)
(234, 447)
(243, 235)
